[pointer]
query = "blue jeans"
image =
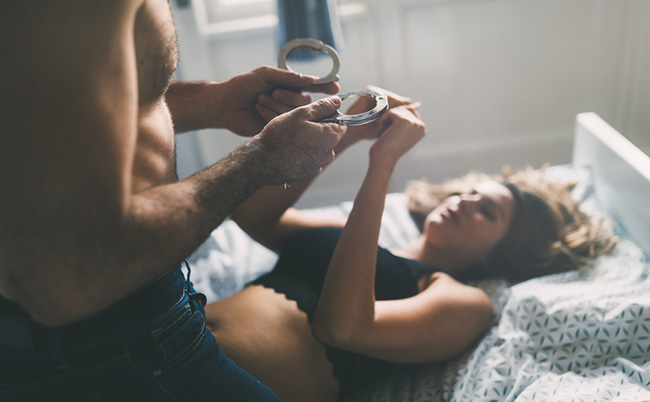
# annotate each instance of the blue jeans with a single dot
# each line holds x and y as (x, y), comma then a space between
(151, 346)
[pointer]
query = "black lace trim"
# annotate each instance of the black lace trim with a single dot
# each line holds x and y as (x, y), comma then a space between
(353, 371)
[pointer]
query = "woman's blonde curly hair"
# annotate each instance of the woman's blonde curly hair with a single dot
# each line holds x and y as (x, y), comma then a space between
(549, 233)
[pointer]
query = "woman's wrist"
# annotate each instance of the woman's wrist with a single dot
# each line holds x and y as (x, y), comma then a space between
(385, 165)
(386, 158)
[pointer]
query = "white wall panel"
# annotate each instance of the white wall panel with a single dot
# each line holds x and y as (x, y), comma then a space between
(500, 80)
(635, 93)
(505, 74)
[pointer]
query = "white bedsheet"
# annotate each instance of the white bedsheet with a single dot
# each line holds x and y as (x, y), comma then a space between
(229, 258)
(582, 336)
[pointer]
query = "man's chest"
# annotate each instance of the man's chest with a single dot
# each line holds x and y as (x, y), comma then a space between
(156, 49)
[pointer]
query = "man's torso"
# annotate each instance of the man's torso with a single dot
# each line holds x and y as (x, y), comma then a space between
(156, 56)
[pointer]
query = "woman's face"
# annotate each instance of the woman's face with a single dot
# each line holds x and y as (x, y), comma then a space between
(466, 227)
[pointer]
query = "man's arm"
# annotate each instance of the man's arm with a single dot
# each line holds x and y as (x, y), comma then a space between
(232, 104)
(268, 216)
(73, 238)
(187, 102)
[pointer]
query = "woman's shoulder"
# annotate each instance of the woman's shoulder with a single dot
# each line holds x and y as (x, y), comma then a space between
(445, 285)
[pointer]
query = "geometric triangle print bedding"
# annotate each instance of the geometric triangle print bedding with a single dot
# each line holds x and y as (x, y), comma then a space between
(568, 337)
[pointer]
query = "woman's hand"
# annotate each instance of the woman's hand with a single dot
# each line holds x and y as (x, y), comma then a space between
(402, 128)
(373, 129)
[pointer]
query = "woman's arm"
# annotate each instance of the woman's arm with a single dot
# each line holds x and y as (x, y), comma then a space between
(440, 323)
(433, 325)
(267, 216)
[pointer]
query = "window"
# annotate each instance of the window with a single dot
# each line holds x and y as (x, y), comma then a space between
(228, 10)
(216, 17)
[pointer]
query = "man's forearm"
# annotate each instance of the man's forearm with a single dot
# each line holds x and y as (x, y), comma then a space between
(260, 214)
(160, 228)
(82, 251)
(187, 211)
(187, 102)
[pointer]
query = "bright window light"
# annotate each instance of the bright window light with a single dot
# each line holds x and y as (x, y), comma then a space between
(228, 3)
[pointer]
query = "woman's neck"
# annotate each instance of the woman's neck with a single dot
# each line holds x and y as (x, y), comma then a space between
(419, 250)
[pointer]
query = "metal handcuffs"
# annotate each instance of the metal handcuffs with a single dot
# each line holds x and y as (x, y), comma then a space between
(349, 120)
(381, 100)
(362, 118)
(316, 45)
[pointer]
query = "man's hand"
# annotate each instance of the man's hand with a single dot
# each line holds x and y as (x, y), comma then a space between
(282, 101)
(235, 103)
(297, 145)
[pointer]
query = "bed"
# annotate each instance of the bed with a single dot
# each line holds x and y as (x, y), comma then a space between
(581, 336)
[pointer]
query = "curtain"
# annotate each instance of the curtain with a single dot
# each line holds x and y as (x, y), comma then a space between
(315, 19)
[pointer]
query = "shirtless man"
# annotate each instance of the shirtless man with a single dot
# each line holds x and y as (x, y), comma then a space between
(93, 221)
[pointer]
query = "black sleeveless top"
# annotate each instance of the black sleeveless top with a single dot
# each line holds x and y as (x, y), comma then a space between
(299, 274)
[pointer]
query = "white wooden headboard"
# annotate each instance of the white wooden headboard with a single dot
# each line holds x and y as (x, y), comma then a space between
(621, 174)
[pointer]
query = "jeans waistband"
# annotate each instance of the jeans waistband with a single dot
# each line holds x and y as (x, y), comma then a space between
(20, 332)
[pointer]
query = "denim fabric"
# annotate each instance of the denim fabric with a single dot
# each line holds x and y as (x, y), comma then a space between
(151, 346)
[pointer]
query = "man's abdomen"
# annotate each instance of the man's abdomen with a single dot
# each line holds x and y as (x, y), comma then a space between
(154, 162)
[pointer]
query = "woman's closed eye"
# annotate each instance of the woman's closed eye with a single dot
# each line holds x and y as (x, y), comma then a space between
(486, 207)
(488, 213)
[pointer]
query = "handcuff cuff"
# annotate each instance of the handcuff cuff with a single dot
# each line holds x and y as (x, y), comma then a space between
(316, 45)
(381, 101)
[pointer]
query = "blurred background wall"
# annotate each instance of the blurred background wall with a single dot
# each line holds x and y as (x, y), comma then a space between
(500, 81)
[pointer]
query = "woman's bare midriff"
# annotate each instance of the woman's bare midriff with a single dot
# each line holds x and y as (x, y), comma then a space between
(270, 338)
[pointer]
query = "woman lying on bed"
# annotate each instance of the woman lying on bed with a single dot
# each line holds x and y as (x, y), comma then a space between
(337, 312)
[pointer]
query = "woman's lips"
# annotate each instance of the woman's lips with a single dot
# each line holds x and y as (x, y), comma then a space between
(451, 215)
